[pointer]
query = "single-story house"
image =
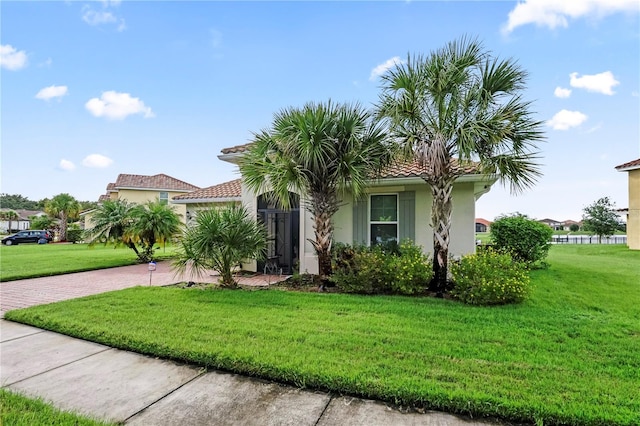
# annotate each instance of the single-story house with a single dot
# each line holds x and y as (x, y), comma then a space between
(396, 207)
(482, 225)
(140, 189)
(633, 211)
(21, 222)
(566, 225)
(553, 224)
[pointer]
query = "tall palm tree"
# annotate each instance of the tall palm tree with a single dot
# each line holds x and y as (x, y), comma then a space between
(319, 151)
(459, 107)
(220, 239)
(63, 206)
(110, 222)
(153, 222)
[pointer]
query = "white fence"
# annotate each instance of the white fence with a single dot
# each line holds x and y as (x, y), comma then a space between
(588, 239)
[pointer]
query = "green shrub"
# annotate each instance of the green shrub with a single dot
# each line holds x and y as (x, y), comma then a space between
(391, 269)
(74, 235)
(489, 278)
(574, 227)
(525, 239)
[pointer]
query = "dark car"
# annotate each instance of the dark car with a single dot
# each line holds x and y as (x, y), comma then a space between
(30, 236)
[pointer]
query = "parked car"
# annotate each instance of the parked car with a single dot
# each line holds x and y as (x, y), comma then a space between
(30, 236)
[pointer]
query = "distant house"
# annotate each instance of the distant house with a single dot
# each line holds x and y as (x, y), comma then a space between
(482, 225)
(553, 224)
(397, 206)
(566, 225)
(22, 221)
(140, 189)
(633, 212)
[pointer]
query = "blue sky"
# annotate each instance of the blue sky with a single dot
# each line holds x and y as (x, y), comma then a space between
(93, 89)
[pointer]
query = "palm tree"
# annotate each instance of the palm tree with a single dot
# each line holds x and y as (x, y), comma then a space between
(319, 151)
(63, 206)
(153, 222)
(220, 239)
(459, 107)
(110, 222)
(9, 216)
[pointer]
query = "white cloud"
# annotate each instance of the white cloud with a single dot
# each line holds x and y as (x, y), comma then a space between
(117, 106)
(47, 63)
(104, 16)
(51, 92)
(564, 119)
(97, 161)
(12, 59)
(66, 165)
(600, 83)
(561, 92)
(383, 67)
(93, 17)
(556, 13)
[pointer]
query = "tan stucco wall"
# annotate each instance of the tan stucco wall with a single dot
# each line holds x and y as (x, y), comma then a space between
(633, 220)
(138, 196)
(462, 227)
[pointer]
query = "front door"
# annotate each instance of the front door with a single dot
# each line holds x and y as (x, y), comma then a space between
(283, 230)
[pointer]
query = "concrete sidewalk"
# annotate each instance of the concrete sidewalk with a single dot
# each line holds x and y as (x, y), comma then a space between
(121, 386)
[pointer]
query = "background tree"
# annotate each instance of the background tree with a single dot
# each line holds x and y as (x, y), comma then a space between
(460, 107)
(110, 222)
(64, 207)
(527, 240)
(319, 151)
(9, 216)
(601, 218)
(153, 222)
(220, 239)
(17, 202)
(41, 222)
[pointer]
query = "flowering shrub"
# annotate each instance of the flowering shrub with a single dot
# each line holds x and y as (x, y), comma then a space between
(375, 270)
(489, 278)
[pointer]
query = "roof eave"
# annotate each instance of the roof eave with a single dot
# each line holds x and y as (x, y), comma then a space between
(206, 200)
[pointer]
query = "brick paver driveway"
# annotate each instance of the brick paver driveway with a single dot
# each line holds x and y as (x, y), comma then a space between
(38, 291)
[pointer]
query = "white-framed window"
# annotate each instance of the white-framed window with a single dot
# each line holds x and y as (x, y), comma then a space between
(164, 197)
(383, 218)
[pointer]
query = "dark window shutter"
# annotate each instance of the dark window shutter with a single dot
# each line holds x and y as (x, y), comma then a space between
(407, 215)
(360, 221)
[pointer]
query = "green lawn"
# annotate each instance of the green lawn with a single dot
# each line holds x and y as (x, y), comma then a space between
(570, 355)
(38, 260)
(17, 410)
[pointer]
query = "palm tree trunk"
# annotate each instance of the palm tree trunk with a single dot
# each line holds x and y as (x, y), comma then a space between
(441, 223)
(323, 208)
(63, 226)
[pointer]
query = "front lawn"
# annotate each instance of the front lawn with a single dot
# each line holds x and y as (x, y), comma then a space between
(17, 410)
(570, 355)
(39, 260)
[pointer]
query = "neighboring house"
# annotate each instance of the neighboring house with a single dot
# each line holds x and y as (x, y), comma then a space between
(396, 207)
(140, 189)
(482, 225)
(633, 212)
(566, 225)
(22, 221)
(553, 224)
(216, 195)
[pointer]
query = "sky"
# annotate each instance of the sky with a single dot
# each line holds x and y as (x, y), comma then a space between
(92, 89)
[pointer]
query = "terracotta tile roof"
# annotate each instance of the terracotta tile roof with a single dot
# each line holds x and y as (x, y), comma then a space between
(631, 164)
(160, 181)
(231, 189)
(104, 197)
(396, 171)
(236, 149)
(485, 222)
(111, 187)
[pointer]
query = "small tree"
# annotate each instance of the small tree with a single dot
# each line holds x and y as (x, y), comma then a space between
(574, 227)
(525, 239)
(153, 222)
(65, 207)
(41, 222)
(600, 218)
(221, 239)
(9, 216)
